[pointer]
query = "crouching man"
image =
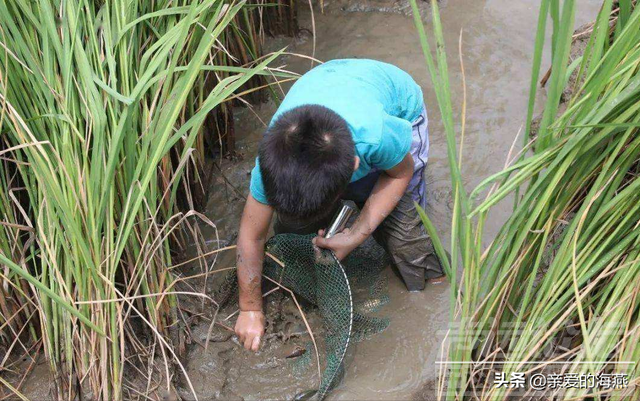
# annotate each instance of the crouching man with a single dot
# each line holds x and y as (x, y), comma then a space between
(347, 129)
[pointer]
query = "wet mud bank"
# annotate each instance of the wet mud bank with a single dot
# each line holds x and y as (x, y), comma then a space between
(401, 363)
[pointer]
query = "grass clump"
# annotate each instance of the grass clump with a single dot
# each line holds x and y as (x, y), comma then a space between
(101, 104)
(560, 281)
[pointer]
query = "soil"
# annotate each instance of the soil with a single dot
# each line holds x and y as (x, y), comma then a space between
(401, 362)
(218, 369)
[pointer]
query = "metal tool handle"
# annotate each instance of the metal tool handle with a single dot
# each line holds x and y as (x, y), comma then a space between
(340, 219)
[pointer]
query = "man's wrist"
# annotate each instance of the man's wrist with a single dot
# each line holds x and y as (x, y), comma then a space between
(359, 233)
(251, 306)
(356, 239)
(252, 312)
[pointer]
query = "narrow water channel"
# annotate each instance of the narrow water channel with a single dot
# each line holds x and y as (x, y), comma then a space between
(497, 45)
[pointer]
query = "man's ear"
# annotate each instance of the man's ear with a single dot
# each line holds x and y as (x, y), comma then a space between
(356, 163)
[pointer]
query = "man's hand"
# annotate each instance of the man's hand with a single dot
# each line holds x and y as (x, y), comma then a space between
(383, 199)
(250, 328)
(341, 244)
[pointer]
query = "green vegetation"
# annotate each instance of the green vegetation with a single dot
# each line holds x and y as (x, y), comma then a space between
(102, 107)
(561, 279)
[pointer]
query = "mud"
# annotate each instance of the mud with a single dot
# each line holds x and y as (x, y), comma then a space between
(399, 363)
(401, 7)
(220, 371)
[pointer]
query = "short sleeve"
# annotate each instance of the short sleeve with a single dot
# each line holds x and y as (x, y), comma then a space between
(256, 187)
(395, 143)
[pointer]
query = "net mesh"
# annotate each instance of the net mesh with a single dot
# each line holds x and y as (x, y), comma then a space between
(345, 293)
(317, 276)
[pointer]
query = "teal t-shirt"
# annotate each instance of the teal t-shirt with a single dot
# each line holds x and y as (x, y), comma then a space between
(378, 101)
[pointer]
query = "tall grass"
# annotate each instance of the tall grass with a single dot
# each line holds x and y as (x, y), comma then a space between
(94, 96)
(560, 281)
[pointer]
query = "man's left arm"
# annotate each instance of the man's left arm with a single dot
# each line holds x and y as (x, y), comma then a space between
(384, 197)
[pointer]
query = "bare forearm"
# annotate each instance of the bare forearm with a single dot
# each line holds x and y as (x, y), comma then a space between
(254, 227)
(385, 196)
(249, 262)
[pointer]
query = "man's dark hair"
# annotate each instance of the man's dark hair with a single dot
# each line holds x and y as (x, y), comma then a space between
(306, 161)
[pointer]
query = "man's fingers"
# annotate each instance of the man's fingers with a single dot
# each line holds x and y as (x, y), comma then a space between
(248, 342)
(255, 346)
(321, 242)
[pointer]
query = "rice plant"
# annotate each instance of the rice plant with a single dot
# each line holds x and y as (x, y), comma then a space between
(556, 291)
(101, 105)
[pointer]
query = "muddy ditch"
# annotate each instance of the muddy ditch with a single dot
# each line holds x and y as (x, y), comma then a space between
(401, 362)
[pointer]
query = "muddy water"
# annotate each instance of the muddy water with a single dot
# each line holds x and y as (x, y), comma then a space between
(400, 363)
(497, 43)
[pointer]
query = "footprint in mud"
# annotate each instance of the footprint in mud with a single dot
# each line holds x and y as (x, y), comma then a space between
(440, 195)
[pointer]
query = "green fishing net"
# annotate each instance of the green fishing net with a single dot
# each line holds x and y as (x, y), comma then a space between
(345, 294)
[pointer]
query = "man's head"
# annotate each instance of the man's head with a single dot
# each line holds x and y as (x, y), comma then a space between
(307, 158)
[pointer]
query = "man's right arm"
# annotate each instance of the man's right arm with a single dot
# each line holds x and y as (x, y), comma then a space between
(254, 227)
